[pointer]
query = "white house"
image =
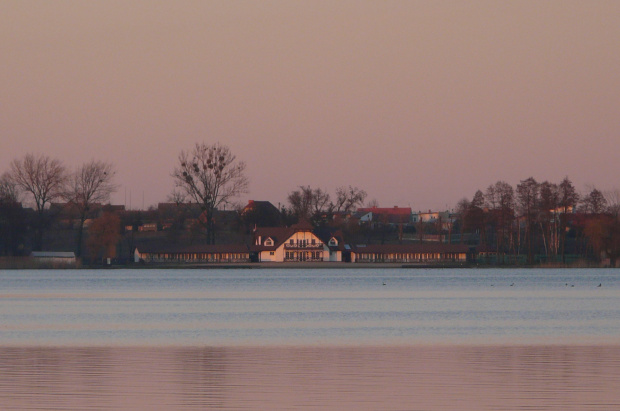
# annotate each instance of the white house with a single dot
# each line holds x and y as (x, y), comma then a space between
(296, 243)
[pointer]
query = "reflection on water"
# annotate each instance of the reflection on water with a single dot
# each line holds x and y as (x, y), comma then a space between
(362, 378)
(310, 339)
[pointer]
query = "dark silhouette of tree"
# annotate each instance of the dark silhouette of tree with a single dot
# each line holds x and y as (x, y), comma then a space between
(461, 214)
(91, 183)
(594, 202)
(316, 205)
(472, 216)
(567, 200)
(547, 216)
(348, 199)
(612, 198)
(527, 200)
(259, 214)
(103, 235)
(310, 204)
(374, 203)
(8, 189)
(209, 175)
(603, 232)
(42, 179)
(12, 219)
(499, 199)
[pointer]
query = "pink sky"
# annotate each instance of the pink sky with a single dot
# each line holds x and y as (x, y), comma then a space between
(420, 103)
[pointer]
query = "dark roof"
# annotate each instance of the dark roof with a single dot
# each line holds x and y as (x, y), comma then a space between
(264, 206)
(395, 215)
(412, 248)
(277, 234)
(114, 208)
(194, 248)
(386, 210)
(327, 233)
(281, 234)
(52, 254)
(302, 225)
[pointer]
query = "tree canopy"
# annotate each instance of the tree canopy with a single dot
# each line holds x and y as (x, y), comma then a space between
(210, 176)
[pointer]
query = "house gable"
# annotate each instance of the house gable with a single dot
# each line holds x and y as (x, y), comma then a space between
(295, 243)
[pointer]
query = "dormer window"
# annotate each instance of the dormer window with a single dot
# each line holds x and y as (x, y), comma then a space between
(269, 242)
(333, 241)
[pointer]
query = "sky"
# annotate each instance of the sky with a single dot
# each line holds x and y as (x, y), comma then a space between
(419, 103)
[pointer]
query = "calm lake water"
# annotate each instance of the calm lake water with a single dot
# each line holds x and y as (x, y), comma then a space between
(409, 339)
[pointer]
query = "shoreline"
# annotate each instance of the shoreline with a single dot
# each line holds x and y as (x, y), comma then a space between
(292, 265)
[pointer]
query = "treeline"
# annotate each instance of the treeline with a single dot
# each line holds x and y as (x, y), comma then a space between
(532, 222)
(42, 180)
(543, 221)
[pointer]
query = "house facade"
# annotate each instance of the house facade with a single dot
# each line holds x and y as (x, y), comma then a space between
(301, 243)
(296, 243)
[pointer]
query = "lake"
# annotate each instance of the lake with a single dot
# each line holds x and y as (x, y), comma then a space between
(310, 338)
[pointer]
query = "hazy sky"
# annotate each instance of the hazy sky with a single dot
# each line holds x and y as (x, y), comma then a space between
(420, 103)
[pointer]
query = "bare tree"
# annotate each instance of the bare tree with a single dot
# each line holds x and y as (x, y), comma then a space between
(499, 199)
(310, 204)
(41, 178)
(603, 231)
(104, 235)
(12, 218)
(568, 199)
(300, 202)
(89, 184)
(209, 175)
(8, 189)
(547, 217)
(374, 203)
(528, 200)
(472, 216)
(612, 198)
(594, 202)
(348, 199)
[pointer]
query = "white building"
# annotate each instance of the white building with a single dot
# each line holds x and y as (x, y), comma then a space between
(296, 243)
(55, 257)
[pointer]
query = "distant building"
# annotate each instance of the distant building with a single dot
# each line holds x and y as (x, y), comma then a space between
(384, 216)
(296, 243)
(261, 214)
(412, 253)
(148, 227)
(197, 253)
(54, 257)
(430, 216)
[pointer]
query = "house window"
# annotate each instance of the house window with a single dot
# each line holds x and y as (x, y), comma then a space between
(333, 242)
(271, 253)
(269, 242)
(313, 241)
(291, 242)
